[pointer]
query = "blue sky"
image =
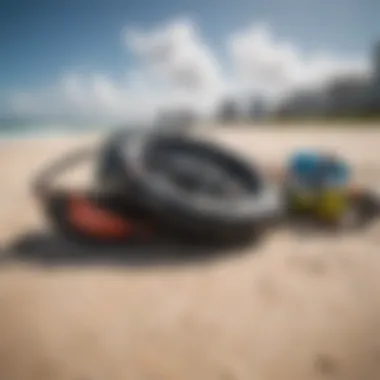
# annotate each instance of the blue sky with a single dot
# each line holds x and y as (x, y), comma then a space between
(41, 39)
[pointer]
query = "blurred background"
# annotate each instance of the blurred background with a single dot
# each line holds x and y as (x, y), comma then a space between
(78, 65)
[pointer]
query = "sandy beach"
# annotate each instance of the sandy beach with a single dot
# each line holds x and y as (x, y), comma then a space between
(295, 307)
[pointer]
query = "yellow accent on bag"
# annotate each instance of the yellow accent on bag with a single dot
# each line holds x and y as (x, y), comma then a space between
(332, 205)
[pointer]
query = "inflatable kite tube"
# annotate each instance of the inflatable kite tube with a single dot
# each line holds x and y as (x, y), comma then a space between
(150, 184)
(196, 214)
(90, 216)
(109, 170)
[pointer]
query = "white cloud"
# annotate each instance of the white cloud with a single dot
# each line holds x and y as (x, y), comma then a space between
(177, 53)
(178, 68)
(92, 97)
(266, 64)
(176, 56)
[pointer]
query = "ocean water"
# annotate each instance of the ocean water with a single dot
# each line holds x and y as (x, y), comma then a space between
(12, 129)
(15, 130)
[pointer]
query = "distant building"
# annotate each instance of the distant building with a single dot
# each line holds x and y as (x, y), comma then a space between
(345, 96)
(257, 109)
(306, 103)
(375, 88)
(229, 111)
(176, 118)
(348, 96)
(376, 61)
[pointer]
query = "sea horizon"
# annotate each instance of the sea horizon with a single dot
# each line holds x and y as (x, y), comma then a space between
(19, 129)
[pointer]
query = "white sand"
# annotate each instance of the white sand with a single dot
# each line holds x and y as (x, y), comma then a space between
(297, 307)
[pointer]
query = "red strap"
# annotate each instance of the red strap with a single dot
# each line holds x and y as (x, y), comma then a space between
(96, 221)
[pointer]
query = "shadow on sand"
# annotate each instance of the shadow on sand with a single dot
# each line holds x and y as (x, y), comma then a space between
(51, 250)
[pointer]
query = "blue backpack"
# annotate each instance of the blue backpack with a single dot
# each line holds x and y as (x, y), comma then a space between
(311, 168)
